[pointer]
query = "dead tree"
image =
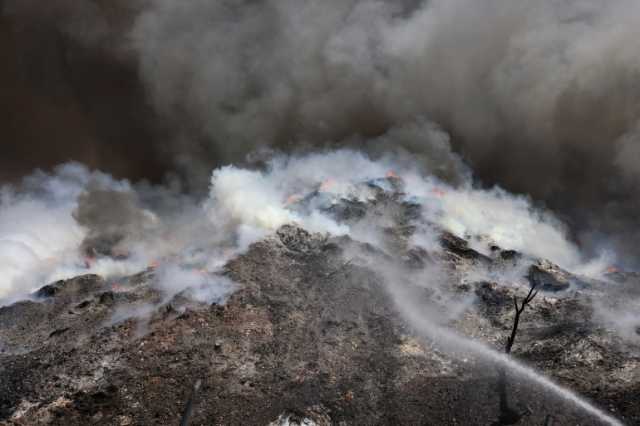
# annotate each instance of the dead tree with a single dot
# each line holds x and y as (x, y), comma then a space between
(519, 309)
(509, 416)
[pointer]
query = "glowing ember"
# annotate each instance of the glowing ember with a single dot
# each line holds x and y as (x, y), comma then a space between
(327, 185)
(292, 199)
(89, 261)
(438, 192)
(120, 253)
(392, 175)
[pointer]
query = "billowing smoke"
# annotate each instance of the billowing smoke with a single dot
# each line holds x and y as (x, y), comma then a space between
(540, 98)
(38, 234)
(109, 216)
(77, 221)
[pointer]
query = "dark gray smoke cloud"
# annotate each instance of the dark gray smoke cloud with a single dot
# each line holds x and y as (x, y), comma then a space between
(541, 97)
(110, 216)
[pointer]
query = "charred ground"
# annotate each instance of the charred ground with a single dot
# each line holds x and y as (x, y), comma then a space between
(310, 336)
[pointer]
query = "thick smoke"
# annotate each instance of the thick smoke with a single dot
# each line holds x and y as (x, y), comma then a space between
(39, 237)
(539, 97)
(109, 216)
(76, 221)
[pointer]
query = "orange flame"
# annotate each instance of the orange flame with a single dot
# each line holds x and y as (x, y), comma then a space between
(292, 199)
(327, 185)
(612, 269)
(89, 261)
(392, 175)
(438, 192)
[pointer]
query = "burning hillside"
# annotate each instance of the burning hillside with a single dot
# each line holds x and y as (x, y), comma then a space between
(333, 212)
(328, 287)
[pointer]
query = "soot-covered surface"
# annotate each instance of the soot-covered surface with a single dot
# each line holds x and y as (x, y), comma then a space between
(310, 337)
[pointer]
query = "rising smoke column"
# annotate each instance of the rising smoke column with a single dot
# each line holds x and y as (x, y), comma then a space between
(539, 97)
(39, 238)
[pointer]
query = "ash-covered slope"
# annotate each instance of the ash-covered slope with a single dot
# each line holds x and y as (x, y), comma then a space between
(312, 336)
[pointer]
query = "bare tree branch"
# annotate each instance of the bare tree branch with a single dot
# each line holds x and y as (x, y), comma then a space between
(509, 416)
(519, 309)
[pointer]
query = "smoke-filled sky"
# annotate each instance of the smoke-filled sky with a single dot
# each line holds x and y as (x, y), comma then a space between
(541, 98)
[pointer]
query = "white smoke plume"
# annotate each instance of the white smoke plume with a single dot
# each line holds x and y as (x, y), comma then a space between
(76, 221)
(39, 237)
